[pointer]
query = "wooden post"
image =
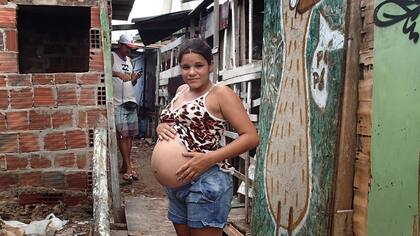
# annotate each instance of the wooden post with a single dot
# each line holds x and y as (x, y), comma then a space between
(243, 33)
(215, 50)
(113, 157)
(100, 186)
(235, 33)
(344, 165)
(250, 9)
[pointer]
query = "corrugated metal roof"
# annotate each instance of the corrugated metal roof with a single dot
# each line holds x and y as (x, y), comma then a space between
(121, 9)
(155, 28)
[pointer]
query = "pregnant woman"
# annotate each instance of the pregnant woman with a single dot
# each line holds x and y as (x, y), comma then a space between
(188, 159)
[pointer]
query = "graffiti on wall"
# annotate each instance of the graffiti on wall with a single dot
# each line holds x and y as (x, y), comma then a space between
(408, 11)
(305, 96)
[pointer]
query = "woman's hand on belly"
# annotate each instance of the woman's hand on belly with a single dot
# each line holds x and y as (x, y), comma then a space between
(193, 168)
(165, 131)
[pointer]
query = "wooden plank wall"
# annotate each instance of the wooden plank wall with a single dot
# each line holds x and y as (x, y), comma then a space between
(362, 163)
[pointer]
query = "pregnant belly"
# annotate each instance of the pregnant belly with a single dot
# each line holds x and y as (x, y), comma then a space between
(166, 159)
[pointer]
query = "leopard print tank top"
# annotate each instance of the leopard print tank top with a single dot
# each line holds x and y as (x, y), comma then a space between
(196, 127)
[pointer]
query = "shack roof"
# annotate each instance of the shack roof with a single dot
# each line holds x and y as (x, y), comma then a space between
(121, 9)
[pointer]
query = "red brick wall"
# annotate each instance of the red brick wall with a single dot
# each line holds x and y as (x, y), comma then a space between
(45, 119)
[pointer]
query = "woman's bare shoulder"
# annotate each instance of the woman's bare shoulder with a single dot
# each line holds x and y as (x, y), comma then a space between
(221, 89)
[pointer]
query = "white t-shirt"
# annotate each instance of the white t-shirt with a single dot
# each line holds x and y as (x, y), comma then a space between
(123, 91)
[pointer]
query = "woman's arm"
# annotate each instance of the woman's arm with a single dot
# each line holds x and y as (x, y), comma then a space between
(234, 112)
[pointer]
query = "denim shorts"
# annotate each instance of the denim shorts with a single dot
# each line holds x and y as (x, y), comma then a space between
(205, 202)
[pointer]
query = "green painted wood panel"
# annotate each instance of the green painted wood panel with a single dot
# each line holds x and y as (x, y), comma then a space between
(393, 197)
(301, 94)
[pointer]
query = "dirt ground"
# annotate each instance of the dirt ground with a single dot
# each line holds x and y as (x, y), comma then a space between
(147, 185)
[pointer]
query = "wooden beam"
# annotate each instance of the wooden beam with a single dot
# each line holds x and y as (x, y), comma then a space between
(170, 73)
(100, 185)
(172, 44)
(243, 32)
(250, 21)
(242, 70)
(216, 42)
(242, 78)
(344, 164)
(231, 231)
(124, 27)
(113, 157)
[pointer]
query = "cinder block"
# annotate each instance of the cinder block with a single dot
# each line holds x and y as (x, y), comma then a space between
(8, 143)
(2, 122)
(53, 179)
(44, 97)
(8, 180)
(96, 61)
(2, 79)
(39, 162)
(87, 96)
(29, 142)
(7, 18)
(11, 40)
(21, 98)
(91, 116)
(76, 139)
(94, 18)
(66, 95)
(67, 78)
(65, 160)
(16, 162)
(77, 180)
(19, 80)
(39, 120)
(33, 179)
(62, 119)
(4, 99)
(17, 120)
(42, 79)
(54, 141)
(9, 61)
(88, 79)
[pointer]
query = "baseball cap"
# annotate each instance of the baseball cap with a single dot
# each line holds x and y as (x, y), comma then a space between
(127, 40)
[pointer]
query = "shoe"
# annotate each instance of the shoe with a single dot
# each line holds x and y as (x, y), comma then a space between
(127, 177)
(134, 175)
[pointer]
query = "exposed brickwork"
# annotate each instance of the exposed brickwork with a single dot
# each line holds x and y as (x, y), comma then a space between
(54, 141)
(3, 163)
(77, 180)
(4, 99)
(2, 122)
(96, 60)
(29, 142)
(65, 160)
(66, 95)
(38, 162)
(9, 62)
(19, 80)
(8, 180)
(81, 160)
(76, 139)
(7, 18)
(2, 79)
(39, 120)
(11, 40)
(16, 162)
(21, 98)
(42, 79)
(44, 97)
(62, 119)
(45, 118)
(17, 120)
(94, 18)
(68, 78)
(82, 119)
(53, 179)
(8, 143)
(91, 116)
(33, 179)
(87, 96)
(89, 79)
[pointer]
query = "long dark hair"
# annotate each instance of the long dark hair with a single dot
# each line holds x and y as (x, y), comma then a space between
(198, 46)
